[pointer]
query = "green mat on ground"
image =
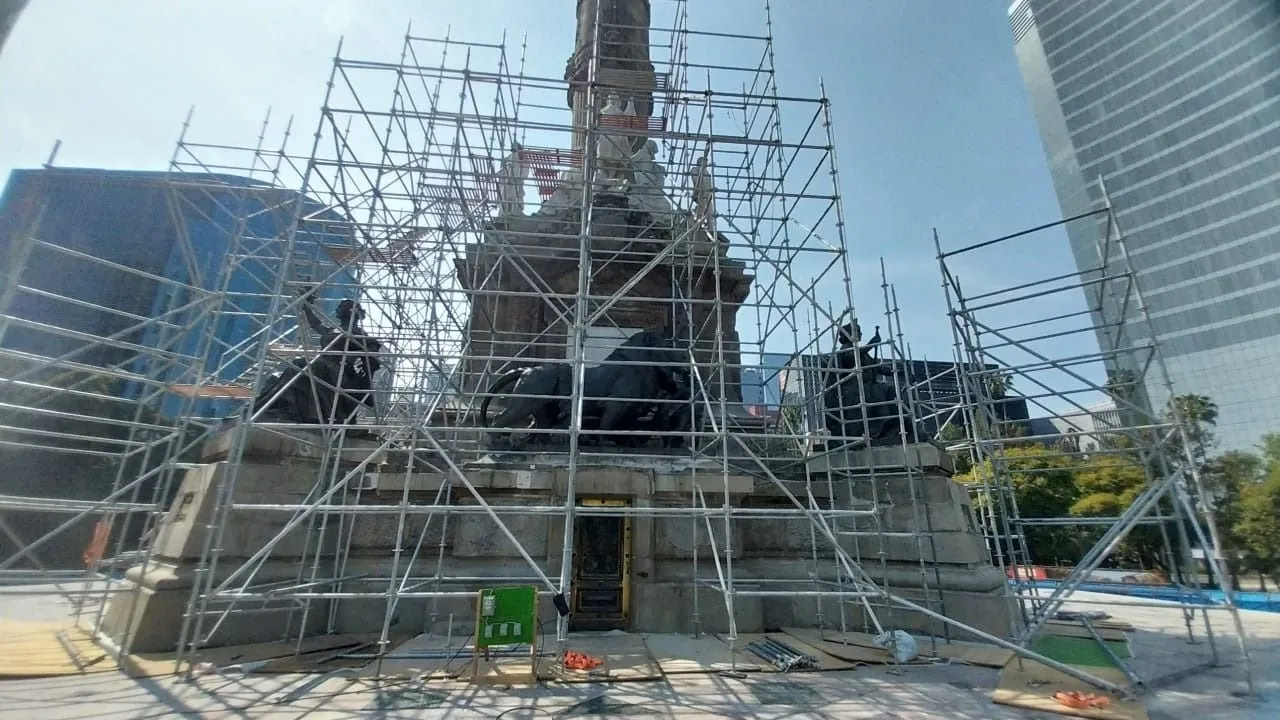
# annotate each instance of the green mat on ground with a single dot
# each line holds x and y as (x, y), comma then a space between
(1079, 651)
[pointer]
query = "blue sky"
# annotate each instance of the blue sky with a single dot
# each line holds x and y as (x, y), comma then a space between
(933, 127)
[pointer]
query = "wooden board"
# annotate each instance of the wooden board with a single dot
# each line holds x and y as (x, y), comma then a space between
(151, 665)
(443, 657)
(992, 656)
(625, 656)
(281, 655)
(329, 659)
(825, 662)
(1107, 623)
(32, 649)
(685, 654)
(958, 650)
(1077, 629)
(1030, 685)
(506, 671)
(849, 652)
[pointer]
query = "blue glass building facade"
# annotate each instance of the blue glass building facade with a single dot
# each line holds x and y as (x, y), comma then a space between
(102, 221)
(1176, 104)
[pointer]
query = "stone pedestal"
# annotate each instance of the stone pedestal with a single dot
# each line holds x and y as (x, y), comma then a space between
(512, 317)
(929, 552)
(275, 469)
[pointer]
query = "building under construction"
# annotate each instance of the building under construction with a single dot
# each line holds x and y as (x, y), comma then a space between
(556, 286)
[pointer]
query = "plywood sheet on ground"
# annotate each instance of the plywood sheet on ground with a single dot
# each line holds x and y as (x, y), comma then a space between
(1104, 623)
(1030, 685)
(507, 671)
(625, 656)
(432, 656)
(32, 649)
(825, 661)
(151, 665)
(849, 652)
(685, 654)
(275, 655)
(958, 650)
(328, 659)
(1077, 629)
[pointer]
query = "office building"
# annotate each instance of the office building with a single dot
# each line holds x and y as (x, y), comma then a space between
(1176, 103)
(95, 253)
(10, 11)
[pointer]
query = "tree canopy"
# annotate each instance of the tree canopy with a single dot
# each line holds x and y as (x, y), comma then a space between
(1242, 490)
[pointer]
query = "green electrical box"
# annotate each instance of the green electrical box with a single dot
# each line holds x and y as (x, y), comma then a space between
(506, 616)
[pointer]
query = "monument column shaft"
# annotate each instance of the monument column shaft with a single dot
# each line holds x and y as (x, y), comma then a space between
(624, 46)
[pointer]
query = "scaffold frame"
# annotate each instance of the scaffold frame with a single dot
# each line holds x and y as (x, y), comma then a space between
(416, 209)
(1109, 354)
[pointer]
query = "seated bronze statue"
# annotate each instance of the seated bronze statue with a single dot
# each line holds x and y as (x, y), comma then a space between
(858, 401)
(332, 387)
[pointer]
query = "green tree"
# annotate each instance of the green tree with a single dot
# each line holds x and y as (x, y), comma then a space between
(999, 383)
(1258, 527)
(1108, 485)
(1224, 478)
(952, 434)
(1199, 415)
(1122, 384)
(1255, 531)
(1044, 487)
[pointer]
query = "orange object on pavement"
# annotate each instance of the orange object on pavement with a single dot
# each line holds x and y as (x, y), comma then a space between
(575, 660)
(98, 544)
(1078, 700)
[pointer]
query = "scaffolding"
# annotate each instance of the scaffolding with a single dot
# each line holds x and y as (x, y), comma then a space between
(410, 198)
(1099, 372)
(444, 243)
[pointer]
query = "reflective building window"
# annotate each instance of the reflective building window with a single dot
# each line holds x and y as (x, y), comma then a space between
(1176, 103)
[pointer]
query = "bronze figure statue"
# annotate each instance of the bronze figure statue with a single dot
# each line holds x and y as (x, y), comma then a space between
(859, 395)
(616, 396)
(333, 386)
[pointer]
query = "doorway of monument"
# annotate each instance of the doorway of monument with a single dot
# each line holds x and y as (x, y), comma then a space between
(601, 569)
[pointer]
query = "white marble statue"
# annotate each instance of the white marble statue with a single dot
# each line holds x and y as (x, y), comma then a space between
(613, 145)
(645, 188)
(704, 197)
(511, 184)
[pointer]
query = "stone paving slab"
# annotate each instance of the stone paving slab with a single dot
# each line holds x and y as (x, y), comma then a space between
(937, 691)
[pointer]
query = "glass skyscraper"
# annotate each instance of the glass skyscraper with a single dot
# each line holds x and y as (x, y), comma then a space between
(1176, 103)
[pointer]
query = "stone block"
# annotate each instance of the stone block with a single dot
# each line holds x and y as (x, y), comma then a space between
(901, 489)
(148, 619)
(990, 612)
(668, 607)
(269, 444)
(182, 532)
(950, 548)
(887, 457)
(475, 535)
(673, 538)
(393, 483)
(713, 485)
(773, 537)
(925, 518)
(379, 534)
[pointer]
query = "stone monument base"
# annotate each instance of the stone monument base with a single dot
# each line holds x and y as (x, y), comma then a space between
(653, 559)
(276, 467)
